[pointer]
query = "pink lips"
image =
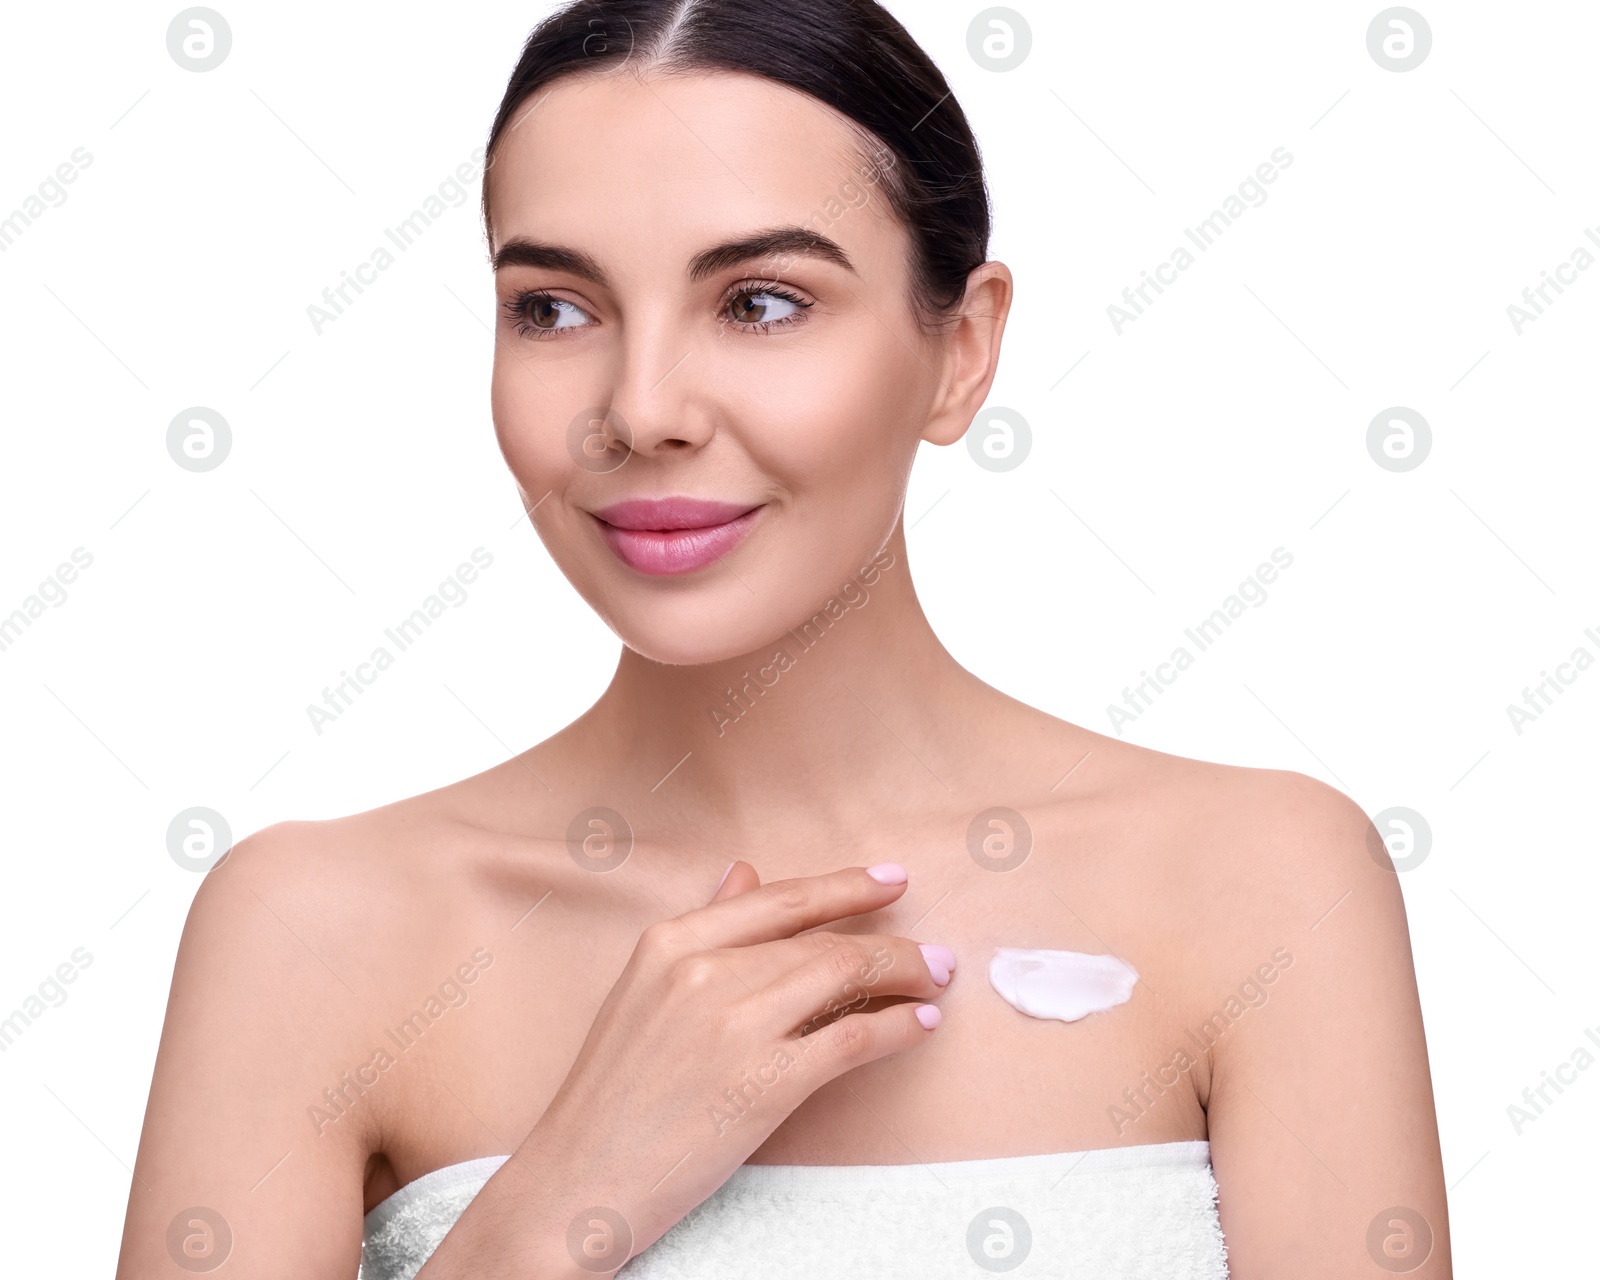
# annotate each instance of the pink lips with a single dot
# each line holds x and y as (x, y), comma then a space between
(674, 535)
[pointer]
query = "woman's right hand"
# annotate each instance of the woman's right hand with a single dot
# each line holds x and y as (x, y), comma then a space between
(724, 1020)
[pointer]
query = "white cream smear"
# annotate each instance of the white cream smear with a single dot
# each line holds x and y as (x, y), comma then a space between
(1067, 985)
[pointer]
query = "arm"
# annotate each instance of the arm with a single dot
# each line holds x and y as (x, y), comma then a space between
(1323, 1134)
(250, 1042)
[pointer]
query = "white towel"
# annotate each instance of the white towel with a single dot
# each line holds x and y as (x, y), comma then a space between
(1144, 1212)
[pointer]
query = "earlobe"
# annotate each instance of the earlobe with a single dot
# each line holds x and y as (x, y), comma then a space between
(946, 429)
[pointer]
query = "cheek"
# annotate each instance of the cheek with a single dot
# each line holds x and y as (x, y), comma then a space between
(840, 435)
(861, 464)
(530, 439)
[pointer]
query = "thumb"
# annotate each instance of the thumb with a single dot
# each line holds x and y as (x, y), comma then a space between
(740, 877)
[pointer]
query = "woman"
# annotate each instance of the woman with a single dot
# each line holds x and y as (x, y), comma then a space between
(713, 979)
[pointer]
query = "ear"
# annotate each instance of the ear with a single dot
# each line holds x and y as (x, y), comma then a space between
(969, 350)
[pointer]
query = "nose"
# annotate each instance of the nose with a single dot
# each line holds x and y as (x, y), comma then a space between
(656, 406)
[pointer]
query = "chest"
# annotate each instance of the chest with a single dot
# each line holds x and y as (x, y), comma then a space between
(993, 1081)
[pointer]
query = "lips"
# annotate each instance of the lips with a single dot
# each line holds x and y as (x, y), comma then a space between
(674, 535)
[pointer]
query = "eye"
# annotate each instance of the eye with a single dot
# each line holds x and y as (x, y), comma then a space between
(759, 306)
(536, 314)
(764, 306)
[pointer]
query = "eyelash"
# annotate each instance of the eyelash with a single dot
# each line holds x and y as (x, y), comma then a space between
(516, 308)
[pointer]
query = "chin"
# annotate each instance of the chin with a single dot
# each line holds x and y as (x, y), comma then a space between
(677, 633)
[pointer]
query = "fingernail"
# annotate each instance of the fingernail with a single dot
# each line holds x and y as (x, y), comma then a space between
(888, 873)
(941, 960)
(724, 879)
(928, 1015)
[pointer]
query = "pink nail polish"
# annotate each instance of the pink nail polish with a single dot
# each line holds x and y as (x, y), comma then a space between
(939, 952)
(888, 873)
(941, 960)
(928, 1015)
(724, 879)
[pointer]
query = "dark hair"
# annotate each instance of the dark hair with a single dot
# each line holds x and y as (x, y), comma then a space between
(850, 54)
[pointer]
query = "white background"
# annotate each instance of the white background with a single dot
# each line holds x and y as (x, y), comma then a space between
(1167, 462)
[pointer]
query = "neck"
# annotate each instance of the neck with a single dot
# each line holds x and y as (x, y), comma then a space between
(839, 727)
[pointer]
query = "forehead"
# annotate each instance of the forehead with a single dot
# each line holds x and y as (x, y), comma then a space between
(649, 172)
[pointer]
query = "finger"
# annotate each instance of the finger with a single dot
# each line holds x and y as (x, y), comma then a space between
(759, 967)
(846, 971)
(740, 877)
(764, 912)
(860, 1038)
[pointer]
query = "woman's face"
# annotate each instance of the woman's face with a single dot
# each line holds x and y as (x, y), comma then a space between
(786, 384)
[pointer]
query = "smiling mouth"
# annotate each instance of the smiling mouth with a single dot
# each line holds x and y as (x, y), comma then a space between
(662, 536)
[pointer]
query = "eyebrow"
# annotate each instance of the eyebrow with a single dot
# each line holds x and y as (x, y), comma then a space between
(786, 241)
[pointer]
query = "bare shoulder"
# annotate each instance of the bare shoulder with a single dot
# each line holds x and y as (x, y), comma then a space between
(1259, 843)
(1265, 861)
(1212, 869)
(368, 898)
(312, 922)
(292, 955)
(1288, 852)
